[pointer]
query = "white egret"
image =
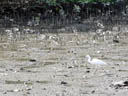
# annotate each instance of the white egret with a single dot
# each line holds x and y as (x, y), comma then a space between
(96, 62)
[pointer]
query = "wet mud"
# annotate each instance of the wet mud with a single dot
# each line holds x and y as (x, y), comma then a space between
(54, 64)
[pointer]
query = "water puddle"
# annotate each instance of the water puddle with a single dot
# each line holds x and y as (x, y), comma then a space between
(18, 82)
(49, 63)
(26, 82)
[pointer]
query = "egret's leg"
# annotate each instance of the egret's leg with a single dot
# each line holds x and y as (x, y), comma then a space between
(86, 65)
(105, 70)
(95, 70)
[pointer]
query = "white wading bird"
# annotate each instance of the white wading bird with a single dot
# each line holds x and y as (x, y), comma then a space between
(96, 62)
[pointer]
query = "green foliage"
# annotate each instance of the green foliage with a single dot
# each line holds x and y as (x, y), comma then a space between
(55, 2)
(91, 1)
(50, 2)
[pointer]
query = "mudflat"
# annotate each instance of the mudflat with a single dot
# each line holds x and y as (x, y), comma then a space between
(54, 64)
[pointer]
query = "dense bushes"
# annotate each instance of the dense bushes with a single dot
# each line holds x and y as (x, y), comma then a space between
(23, 11)
(55, 2)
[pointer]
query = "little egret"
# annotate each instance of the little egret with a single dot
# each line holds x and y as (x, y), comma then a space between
(96, 62)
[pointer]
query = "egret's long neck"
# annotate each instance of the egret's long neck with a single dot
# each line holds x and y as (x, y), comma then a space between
(89, 58)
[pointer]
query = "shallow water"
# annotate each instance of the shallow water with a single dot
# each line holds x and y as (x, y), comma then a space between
(55, 64)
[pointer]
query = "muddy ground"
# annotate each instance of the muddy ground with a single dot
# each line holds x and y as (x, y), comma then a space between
(54, 64)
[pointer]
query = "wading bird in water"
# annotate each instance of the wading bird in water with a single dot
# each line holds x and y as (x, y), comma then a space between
(96, 62)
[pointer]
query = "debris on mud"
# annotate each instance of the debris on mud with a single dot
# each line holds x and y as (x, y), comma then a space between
(120, 84)
(63, 83)
(32, 60)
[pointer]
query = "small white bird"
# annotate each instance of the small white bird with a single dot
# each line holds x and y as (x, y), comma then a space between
(96, 62)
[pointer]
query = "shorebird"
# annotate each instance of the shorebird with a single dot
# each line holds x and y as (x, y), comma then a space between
(96, 62)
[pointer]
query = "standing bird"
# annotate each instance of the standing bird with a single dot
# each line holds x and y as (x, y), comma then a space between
(96, 62)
